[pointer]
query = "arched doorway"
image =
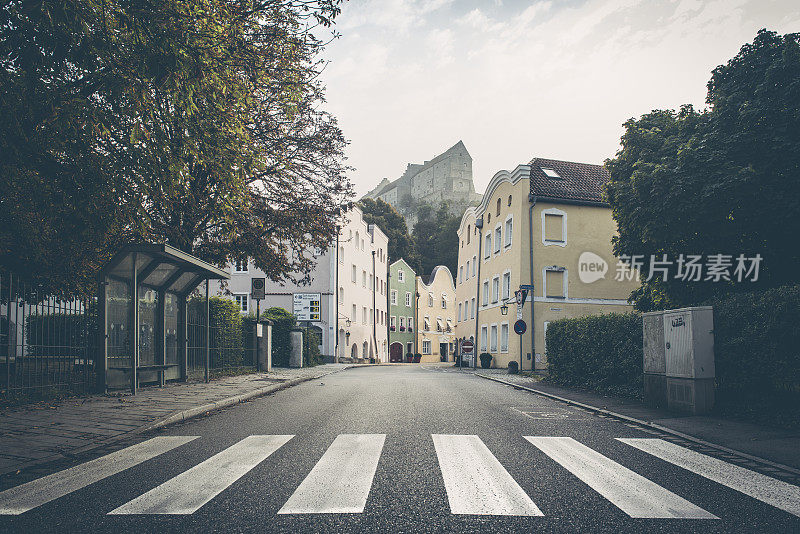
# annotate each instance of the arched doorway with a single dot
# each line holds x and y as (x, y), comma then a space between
(354, 352)
(365, 350)
(396, 352)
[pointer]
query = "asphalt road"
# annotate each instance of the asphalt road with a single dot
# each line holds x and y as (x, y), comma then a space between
(397, 449)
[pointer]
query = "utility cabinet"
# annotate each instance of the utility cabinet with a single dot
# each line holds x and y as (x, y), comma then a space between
(679, 359)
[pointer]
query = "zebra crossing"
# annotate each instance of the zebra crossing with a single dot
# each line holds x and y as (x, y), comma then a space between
(475, 481)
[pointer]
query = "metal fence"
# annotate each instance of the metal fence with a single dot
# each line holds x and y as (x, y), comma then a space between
(46, 342)
(231, 343)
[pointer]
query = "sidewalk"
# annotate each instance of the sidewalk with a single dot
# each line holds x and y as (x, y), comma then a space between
(775, 445)
(40, 433)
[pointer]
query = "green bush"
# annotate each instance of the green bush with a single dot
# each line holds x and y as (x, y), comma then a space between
(757, 354)
(282, 324)
(598, 352)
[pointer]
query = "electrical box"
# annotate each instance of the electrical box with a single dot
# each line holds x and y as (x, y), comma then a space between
(655, 366)
(689, 342)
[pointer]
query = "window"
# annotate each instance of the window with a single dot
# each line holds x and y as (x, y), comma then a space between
(393, 322)
(554, 283)
(550, 173)
(486, 293)
(358, 239)
(363, 278)
(472, 309)
(341, 295)
(410, 324)
(371, 282)
(498, 238)
(408, 299)
(469, 232)
(509, 231)
(430, 300)
(353, 275)
(506, 286)
(509, 200)
(341, 254)
(426, 346)
(459, 312)
(495, 289)
(241, 302)
(498, 207)
(467, 269)
(426, 325)
(401, 275)
(402, 324)
(488, 218)
(474, 264)
(487, 248)
(394, 297)
(354, 317)
(483, 338)
(504, 337)
(493, 339)
(240, 266)
(444, 301)
(371, 315)
(554, 227)
(461, 274)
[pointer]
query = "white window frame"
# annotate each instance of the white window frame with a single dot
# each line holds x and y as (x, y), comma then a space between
(467, 278)
(363, 278)
(426, 346)
(498, 239)
(484, 338)
(355, 314)
(564, 272)
(472, 309)
(563, 214)
(242, 303)
(444, 301)
(408, 299)
(394, 297)
(354, 274)
(509, 231)
(401, 275)
(495, 289)
(430, 300)
(474, 264)
(461, 274)
(504, 332)
(402, 322)
(410, 323)
(505, 291)
(487, 245)
(485, 295)
(459, 312)
(426, 324)
(493, 338)
(392, 321)
(243, 270)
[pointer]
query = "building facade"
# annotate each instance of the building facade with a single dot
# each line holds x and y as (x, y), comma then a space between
(350, 277)
(445, 178)
(540, 227)
(436, 317)
(402, 307)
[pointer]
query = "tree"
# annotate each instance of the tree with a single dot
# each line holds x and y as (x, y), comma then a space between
(391, 223)
(725, 180)
(436, 233)
(198, 122)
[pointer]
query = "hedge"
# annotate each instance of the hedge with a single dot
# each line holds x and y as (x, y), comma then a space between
(598, 352)
(757, 354)
(282, 324)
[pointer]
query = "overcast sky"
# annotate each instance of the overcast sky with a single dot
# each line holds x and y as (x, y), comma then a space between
(514, 80)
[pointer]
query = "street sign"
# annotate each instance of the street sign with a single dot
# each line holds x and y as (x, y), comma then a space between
(467, 346)
(306, 306)
(258, 288)
(520, 327)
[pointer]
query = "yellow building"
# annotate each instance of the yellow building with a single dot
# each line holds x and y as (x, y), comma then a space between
(436, 317)
(544, 228)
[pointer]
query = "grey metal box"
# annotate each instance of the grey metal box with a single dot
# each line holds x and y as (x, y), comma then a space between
(690, 395)
(653, 343)
(689, 342)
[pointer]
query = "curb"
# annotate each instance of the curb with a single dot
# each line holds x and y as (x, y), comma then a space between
(178, 417)
(648, 424)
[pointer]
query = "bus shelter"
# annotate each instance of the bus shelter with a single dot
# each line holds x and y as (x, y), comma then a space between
(142, 317)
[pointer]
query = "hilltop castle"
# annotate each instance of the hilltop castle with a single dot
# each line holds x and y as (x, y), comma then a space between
(445, 178)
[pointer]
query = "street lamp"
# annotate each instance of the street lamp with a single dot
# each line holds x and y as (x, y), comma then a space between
(504, 309)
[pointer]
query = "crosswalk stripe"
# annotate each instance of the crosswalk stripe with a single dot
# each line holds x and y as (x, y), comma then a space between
(630, 492)
(766, 489)
(476, 482)
(187, 492)
(340, 482)
(20, 499)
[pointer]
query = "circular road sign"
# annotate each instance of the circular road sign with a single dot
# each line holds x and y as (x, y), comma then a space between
(467, 346)
(520, 327)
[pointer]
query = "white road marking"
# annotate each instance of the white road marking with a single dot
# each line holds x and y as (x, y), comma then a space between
(629, 491)
(187, 492)
(340, 482)
(766, 489)
(476, 482)
(20, 499)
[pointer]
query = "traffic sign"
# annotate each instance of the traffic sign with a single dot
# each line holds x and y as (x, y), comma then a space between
(520, 327)
(306, 306)
(258, 288)
(467, 346)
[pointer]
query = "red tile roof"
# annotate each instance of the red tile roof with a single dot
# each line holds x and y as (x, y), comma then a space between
(579, 181)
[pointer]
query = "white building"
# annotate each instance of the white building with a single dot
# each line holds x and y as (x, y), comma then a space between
(353, 317)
